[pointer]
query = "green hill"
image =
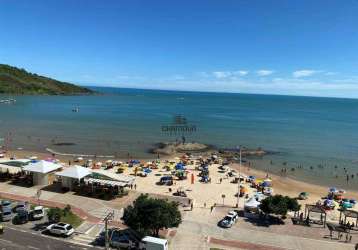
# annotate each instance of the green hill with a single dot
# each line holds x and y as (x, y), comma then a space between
(18, 81)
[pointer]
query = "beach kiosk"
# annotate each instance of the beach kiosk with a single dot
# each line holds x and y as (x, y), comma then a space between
(71, 175)
(41, 170)
(251, 208)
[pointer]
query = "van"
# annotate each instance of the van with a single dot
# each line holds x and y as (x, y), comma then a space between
(153, 243)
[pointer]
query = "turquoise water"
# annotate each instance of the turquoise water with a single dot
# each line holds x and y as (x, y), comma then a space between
(306, 131)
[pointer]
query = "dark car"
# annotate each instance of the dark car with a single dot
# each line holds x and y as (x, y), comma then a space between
(22, 217)
(166, 180)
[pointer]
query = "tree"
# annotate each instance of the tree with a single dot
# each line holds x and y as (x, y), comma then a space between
(148, 215)
(279, 205)
(54, 215)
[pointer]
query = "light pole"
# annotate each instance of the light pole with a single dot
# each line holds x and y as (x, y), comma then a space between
(109, 217)
(238, 183)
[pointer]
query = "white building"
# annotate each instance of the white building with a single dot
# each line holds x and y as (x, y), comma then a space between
(41, 171)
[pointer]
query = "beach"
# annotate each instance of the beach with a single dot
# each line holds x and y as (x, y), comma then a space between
(210, 194)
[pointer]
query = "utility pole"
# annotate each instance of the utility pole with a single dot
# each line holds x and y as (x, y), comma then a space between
(109, 217)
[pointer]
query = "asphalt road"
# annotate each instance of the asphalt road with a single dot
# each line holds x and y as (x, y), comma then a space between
(15, 239)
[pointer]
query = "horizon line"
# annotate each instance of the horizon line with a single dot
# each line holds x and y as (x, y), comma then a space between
(218, 92)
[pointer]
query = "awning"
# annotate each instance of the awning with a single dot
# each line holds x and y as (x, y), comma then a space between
(10, 169)
(42, 167)
(115, 177)
(105, 182)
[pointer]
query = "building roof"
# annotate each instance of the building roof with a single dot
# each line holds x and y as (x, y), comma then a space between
(42, 167)
(75, 172)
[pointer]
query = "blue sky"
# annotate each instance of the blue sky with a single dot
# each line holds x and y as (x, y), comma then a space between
(271, 47)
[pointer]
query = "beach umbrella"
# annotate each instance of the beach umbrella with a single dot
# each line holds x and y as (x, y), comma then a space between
(333, 190)
(347, 205)
(266, 184)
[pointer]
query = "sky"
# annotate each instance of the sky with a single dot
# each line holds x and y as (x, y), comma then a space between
(248, 46)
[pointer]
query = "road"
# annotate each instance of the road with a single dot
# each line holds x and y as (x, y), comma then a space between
(15, 239)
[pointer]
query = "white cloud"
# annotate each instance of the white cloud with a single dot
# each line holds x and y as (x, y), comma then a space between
(241, 72)
(226, 74)
(264, 72)
(222, 74)
(330, 73)
(304, 73)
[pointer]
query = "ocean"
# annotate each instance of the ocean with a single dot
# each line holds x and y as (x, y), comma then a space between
(319, 134)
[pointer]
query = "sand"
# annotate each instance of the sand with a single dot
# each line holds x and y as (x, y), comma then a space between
(208, 194)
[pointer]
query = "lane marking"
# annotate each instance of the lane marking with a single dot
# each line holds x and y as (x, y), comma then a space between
(31, 247)
(7, 241)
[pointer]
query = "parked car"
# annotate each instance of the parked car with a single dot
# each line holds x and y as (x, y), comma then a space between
(22, 217)
(228, 221)
(6, 214)
(61, 229)
(166, 180)
(5, 204)
(21, 205)
(234, 214)
(123, 240)
(38, 213)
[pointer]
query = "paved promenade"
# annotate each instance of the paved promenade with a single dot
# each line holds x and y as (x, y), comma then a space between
(198, 232)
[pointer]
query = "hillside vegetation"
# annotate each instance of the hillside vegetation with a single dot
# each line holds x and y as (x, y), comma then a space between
(18, 81)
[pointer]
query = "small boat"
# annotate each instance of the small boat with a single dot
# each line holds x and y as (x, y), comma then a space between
(76, 110)
(7, 101)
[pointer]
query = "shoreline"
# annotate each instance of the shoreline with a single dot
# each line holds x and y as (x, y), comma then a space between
(288, 186)
(283, 184)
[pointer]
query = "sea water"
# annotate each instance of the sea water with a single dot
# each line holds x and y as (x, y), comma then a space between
(319, 134)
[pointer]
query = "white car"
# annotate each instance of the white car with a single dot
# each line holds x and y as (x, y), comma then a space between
(38, 213)
(61, 229)
(234, 214)
(228, 221)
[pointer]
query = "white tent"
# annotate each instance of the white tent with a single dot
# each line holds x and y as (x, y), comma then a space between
(72, 174)
(42, 167)
(41, 170)
(75, 172)
(252, 204)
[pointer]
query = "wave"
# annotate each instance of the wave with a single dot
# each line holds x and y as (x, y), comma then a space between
(78, 155)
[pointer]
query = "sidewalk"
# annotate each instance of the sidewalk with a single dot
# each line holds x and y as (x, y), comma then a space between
(86, 208)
